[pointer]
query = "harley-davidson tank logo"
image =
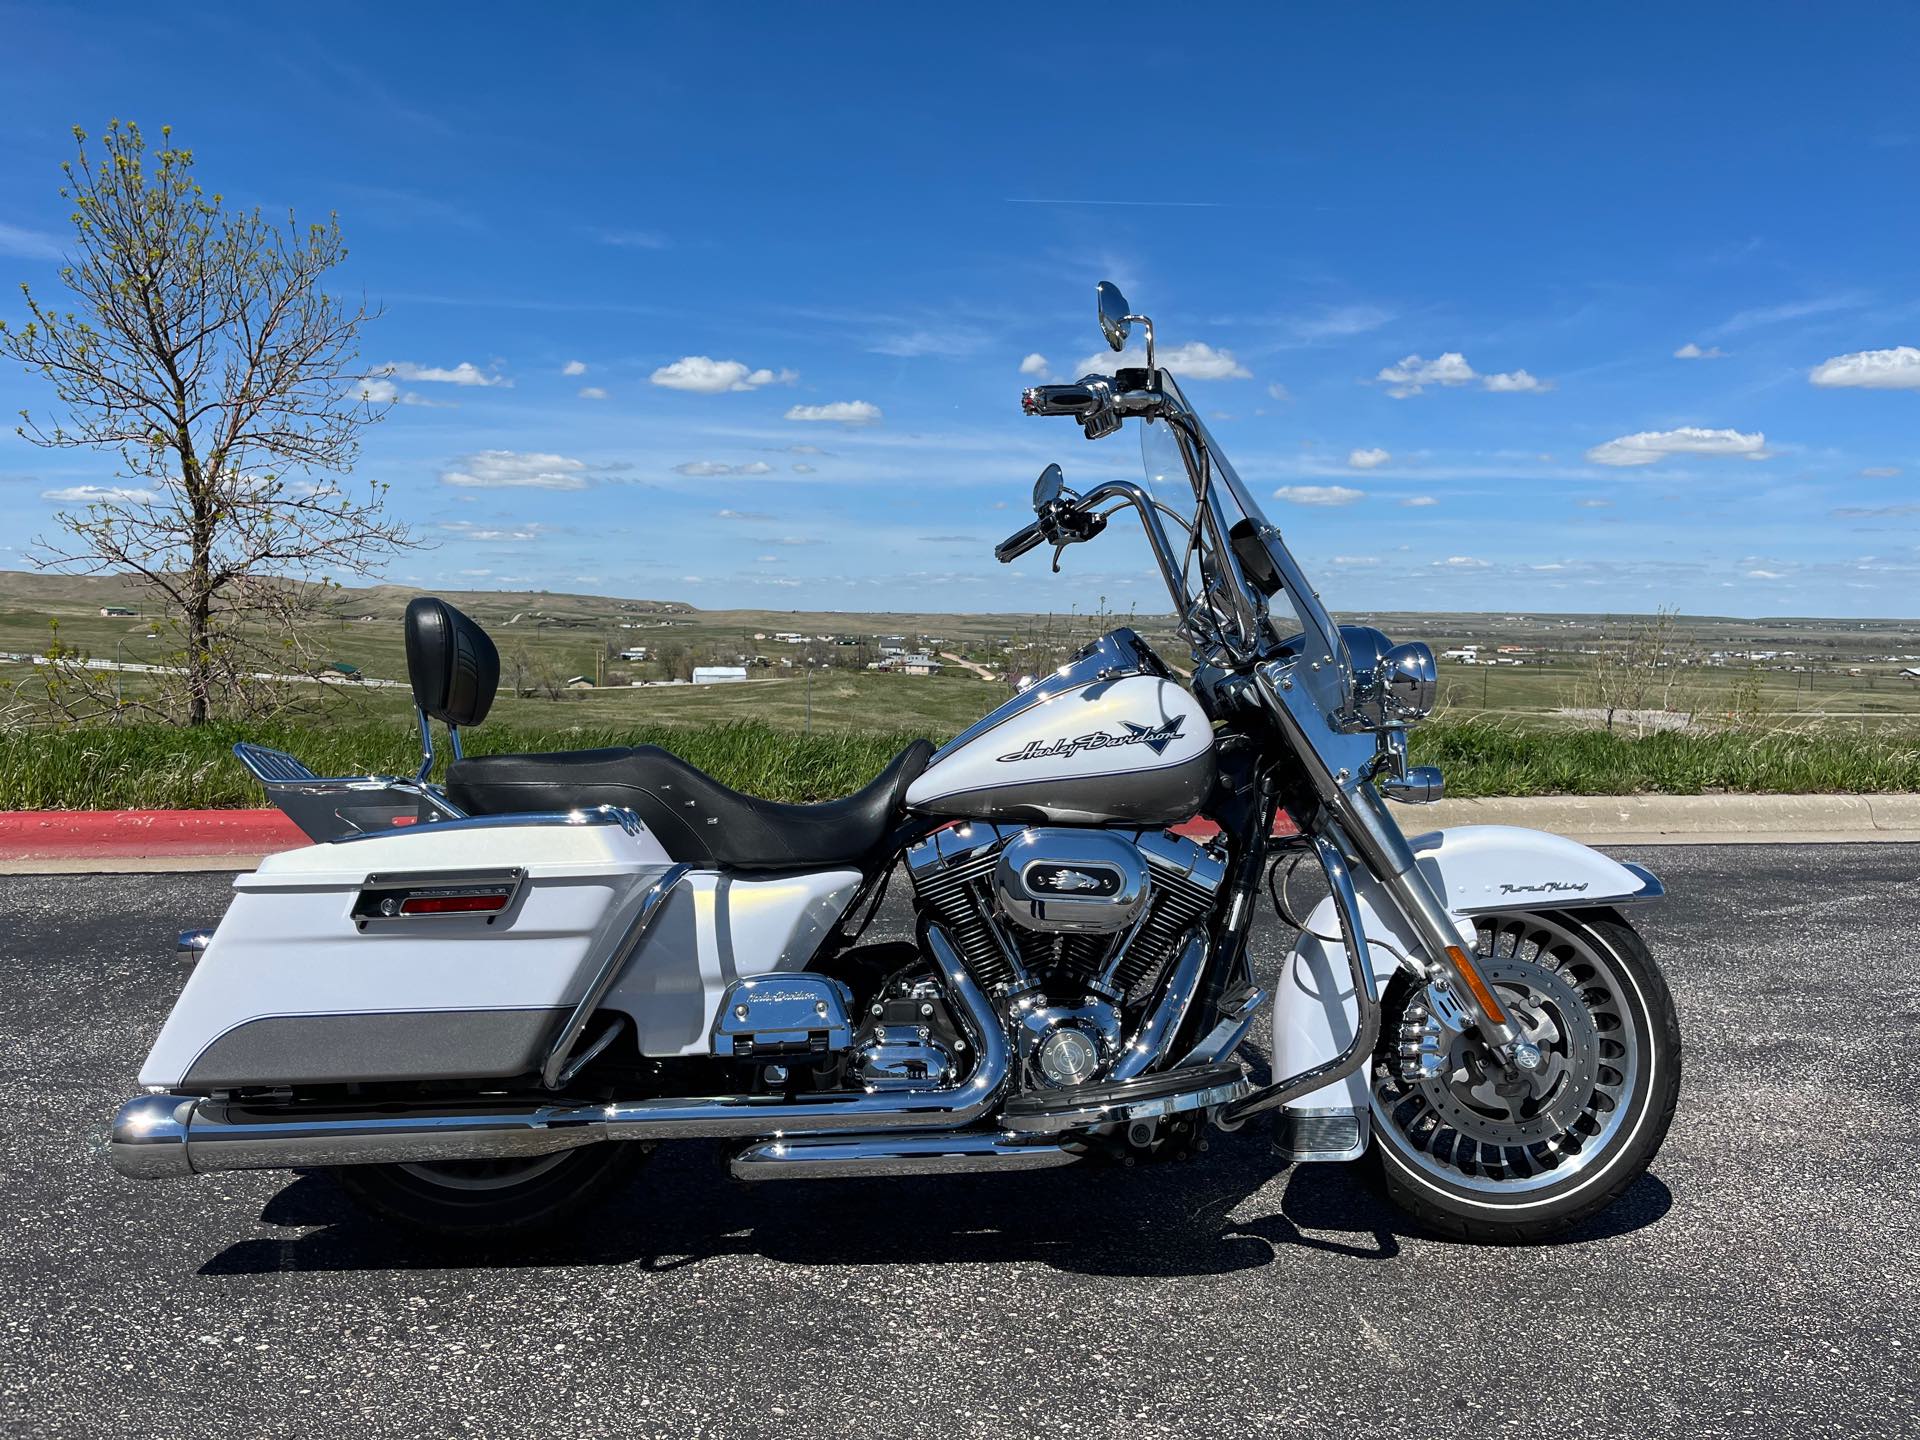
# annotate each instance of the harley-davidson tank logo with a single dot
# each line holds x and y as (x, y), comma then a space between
(1155, 737)
(1545, 887)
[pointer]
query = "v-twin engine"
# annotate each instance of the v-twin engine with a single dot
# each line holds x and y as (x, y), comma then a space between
(1067, 930)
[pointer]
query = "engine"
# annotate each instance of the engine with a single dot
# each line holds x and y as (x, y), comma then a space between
(1069, 930)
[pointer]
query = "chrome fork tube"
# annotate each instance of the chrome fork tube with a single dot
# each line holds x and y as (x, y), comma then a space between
(1381, 846)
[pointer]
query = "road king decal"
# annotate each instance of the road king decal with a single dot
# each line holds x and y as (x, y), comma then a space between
(1155, 737)
(1545, 887)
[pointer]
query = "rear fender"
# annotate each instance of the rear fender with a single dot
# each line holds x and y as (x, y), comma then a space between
(1480, 869)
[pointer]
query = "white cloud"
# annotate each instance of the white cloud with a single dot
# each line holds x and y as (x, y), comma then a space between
(1318, 494)
(1691, 351)
(1652, 445)
(1593, 504)
(592, 392)
(714, 467)
(22, 244)
(632, 239)
(1367, 459)
(465, 373)
(1356, 559)
(1279, 392)
(378, 391)
(1413, 374)
(1417, 502)
(1895, 369)
(803, 469)
(515, 470)
(1766, 575)
(1517, 382)
(467, 530)
(1034, 364)
(844, 412)
(1195, 360)
(574, 367)
(1462, 562)
(1881, 472)
(100, 495)
(705, 376)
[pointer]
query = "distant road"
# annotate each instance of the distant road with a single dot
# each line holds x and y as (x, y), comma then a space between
(134, 668)
(982, 671)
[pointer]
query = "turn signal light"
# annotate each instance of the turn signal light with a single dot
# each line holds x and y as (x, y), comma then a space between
(1481, 991)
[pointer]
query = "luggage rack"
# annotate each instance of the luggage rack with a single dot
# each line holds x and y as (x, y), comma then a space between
(328, 808)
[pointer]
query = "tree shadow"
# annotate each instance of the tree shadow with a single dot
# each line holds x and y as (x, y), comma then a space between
(1163, 1220)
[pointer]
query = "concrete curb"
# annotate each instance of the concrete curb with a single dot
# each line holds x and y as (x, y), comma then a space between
(55, 842)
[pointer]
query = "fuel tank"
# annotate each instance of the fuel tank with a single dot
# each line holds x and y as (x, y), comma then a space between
(1109, 737)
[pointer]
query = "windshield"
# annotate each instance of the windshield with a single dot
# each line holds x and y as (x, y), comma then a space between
(1170, 479)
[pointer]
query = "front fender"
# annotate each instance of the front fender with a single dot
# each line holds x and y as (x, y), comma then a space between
(1480, 869)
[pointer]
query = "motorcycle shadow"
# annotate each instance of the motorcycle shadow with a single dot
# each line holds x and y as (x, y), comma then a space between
(1220, 1213)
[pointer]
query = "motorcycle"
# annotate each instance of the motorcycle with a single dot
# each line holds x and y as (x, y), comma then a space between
(481, 1002)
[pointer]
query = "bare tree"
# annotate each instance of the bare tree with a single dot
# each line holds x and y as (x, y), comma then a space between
(1637, 672)
(204, 352)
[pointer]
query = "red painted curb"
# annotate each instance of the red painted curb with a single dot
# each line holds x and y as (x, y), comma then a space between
(141, 834)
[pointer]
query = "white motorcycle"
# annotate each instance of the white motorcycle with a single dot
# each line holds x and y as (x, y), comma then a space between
(484, 1000)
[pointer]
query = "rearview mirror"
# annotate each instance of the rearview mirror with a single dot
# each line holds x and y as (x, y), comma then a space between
(1113, 314)
(1048, 488)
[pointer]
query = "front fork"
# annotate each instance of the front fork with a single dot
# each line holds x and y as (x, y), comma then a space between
(1361, 817)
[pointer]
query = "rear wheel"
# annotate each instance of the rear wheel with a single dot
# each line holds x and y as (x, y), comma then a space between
(1504, 1157)
(493, 1198)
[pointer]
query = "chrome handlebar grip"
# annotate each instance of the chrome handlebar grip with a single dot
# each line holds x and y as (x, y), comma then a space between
(1075, 400)
(1019, 543)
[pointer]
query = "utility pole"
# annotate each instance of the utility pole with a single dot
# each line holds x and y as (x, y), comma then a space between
(809, 697)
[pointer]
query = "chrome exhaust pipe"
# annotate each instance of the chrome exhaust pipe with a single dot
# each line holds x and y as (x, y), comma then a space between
(162, 1136)
(860, 1156)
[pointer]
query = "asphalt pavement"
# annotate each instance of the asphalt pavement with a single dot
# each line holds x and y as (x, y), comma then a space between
(1761, 1280)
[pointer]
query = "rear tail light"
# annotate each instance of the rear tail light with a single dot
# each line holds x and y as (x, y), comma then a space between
(404, 897)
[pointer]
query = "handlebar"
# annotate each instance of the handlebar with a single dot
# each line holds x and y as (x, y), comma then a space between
(1019, 543)
(1075, 400)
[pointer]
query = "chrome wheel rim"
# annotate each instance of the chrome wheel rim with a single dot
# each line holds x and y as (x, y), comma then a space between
(1473, 1127)
(482, 1175)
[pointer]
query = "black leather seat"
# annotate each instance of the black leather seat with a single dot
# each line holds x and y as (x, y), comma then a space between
(695, 817)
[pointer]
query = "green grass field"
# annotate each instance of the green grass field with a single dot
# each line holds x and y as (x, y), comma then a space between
(1831, 713)
(160, 767)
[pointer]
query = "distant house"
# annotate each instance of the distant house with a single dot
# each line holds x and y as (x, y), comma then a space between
(919, 665)
(119, 612)
(718, 674)
(579, 682)
(634, 652)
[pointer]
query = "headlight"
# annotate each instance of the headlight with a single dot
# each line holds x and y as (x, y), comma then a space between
(1393, 685)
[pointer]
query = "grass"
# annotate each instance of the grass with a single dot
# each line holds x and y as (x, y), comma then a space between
(160, 767)
(1482, 757)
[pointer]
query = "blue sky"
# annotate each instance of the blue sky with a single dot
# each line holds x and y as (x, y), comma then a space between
(1505, 308)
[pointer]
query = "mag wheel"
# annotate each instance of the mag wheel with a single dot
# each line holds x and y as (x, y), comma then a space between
(483, 1198)
(1485, 1154)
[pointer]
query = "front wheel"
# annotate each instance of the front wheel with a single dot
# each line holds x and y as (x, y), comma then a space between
(1511, 1158)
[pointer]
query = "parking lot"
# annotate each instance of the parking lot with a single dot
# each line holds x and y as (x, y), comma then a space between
(1760, 1281)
